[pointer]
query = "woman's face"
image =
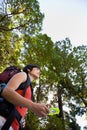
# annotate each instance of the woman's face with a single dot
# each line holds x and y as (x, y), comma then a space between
(35, 72)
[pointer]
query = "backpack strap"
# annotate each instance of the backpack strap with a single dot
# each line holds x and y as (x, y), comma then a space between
(25, 85)
(14, 113)
(28, 84)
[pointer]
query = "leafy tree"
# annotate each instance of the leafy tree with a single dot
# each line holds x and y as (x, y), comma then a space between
(58, 69)
(18, 19)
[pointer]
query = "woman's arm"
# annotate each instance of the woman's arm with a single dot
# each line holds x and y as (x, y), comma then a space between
(13, 97)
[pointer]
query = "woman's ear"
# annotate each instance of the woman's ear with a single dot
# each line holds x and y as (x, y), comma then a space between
(28, 70)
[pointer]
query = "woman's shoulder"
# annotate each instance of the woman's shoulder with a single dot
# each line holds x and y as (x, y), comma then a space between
(19, 77)
(22, 75)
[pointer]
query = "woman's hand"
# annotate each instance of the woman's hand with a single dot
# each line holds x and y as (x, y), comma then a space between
(40, 110)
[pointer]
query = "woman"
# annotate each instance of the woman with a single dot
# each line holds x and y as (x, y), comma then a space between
(22, 104)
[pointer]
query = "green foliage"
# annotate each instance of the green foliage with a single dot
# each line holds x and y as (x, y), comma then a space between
(53, 123)
(58, 72)
(32, 121)
(22, 16)
(37, 48)
(18, 19)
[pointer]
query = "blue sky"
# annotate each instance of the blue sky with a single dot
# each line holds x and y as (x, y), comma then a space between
(65, 18)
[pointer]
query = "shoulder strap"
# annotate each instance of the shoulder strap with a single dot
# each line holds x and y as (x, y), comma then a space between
(14, 113)
(24, 85)
(28, 84)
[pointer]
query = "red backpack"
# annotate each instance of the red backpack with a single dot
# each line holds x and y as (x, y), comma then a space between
(7, 74)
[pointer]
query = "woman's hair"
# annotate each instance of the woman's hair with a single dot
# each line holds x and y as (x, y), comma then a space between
(30, 67)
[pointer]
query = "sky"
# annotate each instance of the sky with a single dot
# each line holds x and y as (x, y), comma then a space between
(65, 18)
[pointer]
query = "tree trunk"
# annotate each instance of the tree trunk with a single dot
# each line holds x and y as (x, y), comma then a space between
(61, 114)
